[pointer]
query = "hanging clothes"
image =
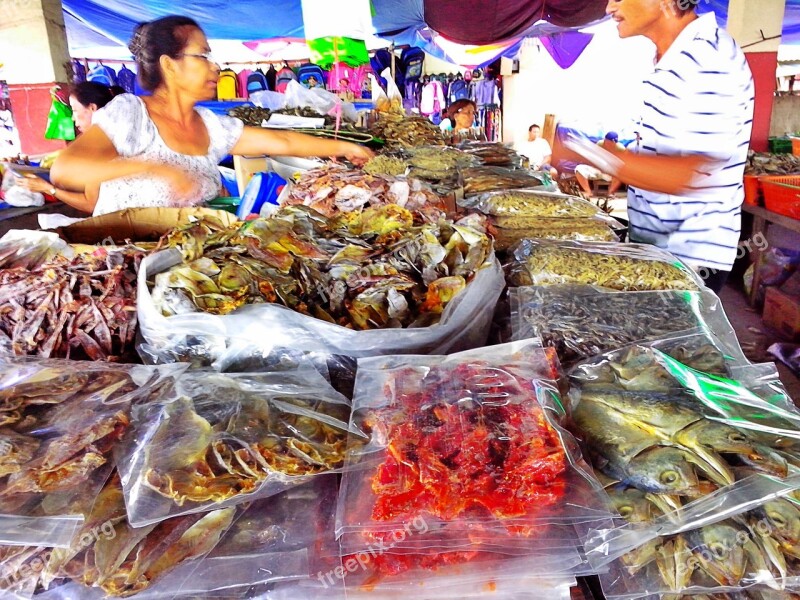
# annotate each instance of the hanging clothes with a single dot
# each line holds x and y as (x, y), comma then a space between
(78, 71)
(271, 76)
(126, 79)
(432, 99)
(354, 75)
(485, 92)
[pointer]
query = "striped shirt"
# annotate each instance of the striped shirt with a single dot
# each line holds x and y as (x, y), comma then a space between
(698, 100)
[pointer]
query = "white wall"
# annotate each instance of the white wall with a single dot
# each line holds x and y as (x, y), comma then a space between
(33, 41)
(599, 92)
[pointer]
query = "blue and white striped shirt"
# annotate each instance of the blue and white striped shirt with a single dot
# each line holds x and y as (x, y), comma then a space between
(698, 100)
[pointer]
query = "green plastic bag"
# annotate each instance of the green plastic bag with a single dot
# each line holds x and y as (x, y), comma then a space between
(59, 122)
(328, 50)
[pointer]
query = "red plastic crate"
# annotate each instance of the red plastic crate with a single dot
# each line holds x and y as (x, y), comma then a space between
(782, 194)
(752, 190)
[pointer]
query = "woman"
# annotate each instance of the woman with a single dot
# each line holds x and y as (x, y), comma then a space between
(85, 98)
(459, 124)
(160, 150)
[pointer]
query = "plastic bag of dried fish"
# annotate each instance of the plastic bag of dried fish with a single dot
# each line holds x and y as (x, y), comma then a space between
(399, 131)
(492, 154)
(221, 439)
(288, 537)
(478, 180)
(109, 558)
(432, 455)
(618, 266)
(58, 427)
(349, 281)
(583, 321)
(579, 230)
(531, 204)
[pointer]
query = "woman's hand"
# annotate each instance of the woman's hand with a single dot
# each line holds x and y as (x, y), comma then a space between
(185, 189)
(358, 155)
(35, 184)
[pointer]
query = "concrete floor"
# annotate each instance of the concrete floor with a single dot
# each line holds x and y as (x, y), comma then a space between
(755, 337)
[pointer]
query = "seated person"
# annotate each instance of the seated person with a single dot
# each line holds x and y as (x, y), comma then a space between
(538, 151)
(160, 150)
(585, 173)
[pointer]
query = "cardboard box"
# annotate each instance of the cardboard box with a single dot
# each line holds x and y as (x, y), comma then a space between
(782, 313)
(135, 224)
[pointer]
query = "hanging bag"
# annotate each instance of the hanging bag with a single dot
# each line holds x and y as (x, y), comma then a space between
(227, 85)
(60, 125)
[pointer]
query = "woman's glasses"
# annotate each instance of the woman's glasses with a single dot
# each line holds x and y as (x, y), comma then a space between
(206, 56)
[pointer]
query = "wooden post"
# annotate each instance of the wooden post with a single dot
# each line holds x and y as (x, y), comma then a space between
(549, 128)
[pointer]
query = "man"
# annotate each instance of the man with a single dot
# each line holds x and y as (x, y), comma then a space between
(537, 150)
(585, 173)
(635, 144)
(685, 184)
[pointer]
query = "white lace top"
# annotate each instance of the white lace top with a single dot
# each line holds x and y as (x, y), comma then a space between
(128, 125)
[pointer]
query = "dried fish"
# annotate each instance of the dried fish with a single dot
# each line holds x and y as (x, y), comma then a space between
(530, 205)
(579, 230)
(626, 267)
(478, 180)
(399, 131)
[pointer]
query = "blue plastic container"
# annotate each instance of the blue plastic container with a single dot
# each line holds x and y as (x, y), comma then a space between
(263, 187)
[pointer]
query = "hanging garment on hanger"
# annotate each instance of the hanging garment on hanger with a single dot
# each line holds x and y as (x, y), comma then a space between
(271, 76)
(126, 79)
(103, 75)
(78, 71)
(242, 81)
(432, 100)
(486, 92)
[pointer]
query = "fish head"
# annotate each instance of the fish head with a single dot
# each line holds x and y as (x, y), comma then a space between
(719, 549)
(783, 516)
(662, 470)
(720, 437)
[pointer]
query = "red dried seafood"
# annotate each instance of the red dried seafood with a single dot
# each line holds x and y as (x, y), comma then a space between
(464, 444)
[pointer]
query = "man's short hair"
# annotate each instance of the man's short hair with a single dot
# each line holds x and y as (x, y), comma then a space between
(532, 126)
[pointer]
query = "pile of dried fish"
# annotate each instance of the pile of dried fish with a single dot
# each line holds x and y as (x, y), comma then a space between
(581, 321)
(492, 153)
(579, 230)
(385, 165)
(334, 189)
(109, 554)
(478, 180)
(531, 205)
(80, 308)
(365, 270)
(763, 163)
(626, 267)
(399, 131)
(250, 115)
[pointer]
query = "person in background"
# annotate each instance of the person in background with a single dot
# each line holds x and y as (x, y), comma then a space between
(461, 121)
(85, 99)
(345, 93)
(538, 151)
(685, 187)
(585, 173)
(635, 144)
(161, 150)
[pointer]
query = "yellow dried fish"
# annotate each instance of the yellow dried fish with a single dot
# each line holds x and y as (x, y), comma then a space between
(535, 204)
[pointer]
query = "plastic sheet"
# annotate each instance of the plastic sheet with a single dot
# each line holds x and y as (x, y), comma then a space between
(624, 267)
(421, 485)
(222, 439)
(464, 324)
(29, 249)
(58, 428)
(583, 321)
(580, 230)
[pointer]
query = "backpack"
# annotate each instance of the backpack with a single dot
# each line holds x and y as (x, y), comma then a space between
(382, 59)
(256, 82)
(78, 71)
(413, 60)
(458, 91)
(282, 79)
(271, 75)
(227, 85)
(102, 75)
(309, 70)
(126, 79)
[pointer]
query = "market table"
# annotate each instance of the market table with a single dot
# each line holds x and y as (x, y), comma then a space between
(28, 217)
(762, 218)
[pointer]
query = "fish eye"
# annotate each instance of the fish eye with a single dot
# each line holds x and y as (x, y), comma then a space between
(737, 436)
(669, 477)
(718, 548)
(625, 511)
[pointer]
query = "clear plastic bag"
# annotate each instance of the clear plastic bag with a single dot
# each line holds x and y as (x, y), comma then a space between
(579, 230)
(318, 99)
(531, 204)
(58, 428)
(29, 249)
(624, 267)
(464, 324)
(479, 180)
(422, 480)
(221, 439)
(583, 321)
